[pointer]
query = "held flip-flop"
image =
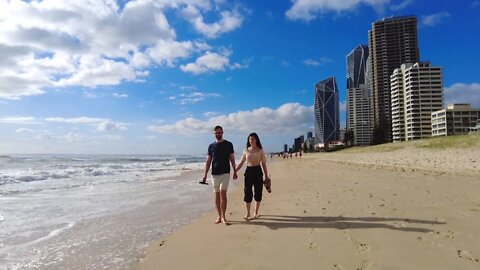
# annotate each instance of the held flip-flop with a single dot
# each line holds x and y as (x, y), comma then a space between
(203, 183)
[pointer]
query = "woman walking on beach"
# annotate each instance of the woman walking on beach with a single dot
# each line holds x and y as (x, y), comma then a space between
(254, 156)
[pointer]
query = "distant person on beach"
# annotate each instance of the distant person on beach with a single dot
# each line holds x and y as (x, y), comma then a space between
(220, 154)
(254, 156)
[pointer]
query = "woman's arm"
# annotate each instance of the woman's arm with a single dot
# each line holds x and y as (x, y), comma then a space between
(265, 171)
(240, 164)
(263, 159)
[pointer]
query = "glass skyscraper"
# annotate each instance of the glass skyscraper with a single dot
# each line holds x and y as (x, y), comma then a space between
(327, 112)
(356, 64)
(359, 114)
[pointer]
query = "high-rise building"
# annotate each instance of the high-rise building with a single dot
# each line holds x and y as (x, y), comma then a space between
(297, 143)
(326, 110)
(359, 113)
(391, 43)
(416, 92)
(356, 64)
(456, 119)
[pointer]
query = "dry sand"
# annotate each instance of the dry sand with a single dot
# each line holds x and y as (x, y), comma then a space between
(343, 211)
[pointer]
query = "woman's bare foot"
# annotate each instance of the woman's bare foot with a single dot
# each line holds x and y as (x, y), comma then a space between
(218, 220)
(247, 217)
(224, 221)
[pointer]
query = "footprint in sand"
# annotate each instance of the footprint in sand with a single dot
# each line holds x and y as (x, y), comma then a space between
(466, 256)
(338, 266)
(449, 234)
(312, 245)
(366, 265)
(363, 248)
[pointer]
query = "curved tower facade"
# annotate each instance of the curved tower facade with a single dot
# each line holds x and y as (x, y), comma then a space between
(359, 114)
(327, 111)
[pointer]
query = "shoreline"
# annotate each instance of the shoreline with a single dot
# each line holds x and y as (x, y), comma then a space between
(145, 209)
(328, 214)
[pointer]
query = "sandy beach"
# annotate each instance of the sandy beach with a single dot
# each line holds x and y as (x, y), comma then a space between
(407, 208)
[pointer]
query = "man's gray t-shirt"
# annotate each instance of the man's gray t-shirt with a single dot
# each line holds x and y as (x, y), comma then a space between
(220, 153)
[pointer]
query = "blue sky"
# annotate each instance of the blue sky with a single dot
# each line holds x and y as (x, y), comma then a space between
(155, 76)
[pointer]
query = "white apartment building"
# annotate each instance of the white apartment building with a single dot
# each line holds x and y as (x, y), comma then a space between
(359, 114)
(416, 92)
(456, 119)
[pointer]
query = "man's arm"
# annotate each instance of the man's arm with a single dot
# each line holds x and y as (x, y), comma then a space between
(240, 164)
(208, 163)
(232, 161)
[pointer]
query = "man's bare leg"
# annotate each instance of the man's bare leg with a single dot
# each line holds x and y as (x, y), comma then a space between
(219, 209)
(223, 194)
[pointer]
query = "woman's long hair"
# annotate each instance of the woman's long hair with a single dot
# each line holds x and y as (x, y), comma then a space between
(254, 135)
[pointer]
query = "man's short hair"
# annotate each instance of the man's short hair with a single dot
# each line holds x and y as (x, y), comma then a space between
(218, 127)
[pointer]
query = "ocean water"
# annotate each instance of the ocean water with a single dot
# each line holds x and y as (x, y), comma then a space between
(93, 211)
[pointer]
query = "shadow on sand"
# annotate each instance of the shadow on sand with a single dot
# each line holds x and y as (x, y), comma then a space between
(275, 222)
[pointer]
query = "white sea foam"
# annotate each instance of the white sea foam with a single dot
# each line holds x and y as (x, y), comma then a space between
(54, 232)
(61, 203)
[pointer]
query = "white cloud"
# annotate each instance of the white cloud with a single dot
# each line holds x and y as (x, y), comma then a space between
(118, 95)
(113, 137)
(315, 63)
(69, 137)
(434, 19)
(463, 93)
(210, 114)
(109, 126)
(229, 21)
(24, 130)
(77, 120)
(208, 62)
(309, 9)
(286, 118)
(165, 52)
(101, 123)
(402, 5)
(92, 95)
(56, 44)
(18, 120)
(72, 137)
(192, 98)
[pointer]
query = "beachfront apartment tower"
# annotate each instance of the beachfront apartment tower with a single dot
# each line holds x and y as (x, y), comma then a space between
(456, 119)
(359, 113)
(417, 91)
(326, 111)
(391, 43)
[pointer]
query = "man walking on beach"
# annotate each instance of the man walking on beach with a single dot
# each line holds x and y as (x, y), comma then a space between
(220, 154)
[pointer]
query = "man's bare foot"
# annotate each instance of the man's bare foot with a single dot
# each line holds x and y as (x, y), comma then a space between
(224, 221)
(257, 215)
(247, 217)
(218, 220)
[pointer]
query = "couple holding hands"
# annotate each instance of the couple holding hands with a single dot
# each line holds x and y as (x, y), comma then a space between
(220, 156)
